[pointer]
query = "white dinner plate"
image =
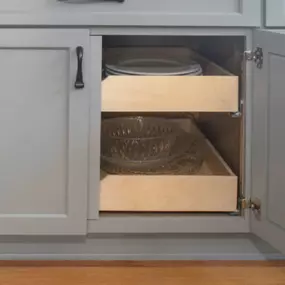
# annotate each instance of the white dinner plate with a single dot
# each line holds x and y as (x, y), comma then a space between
(153, 66)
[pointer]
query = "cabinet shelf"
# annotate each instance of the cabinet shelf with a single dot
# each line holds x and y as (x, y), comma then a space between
(213, 189)
(216, 91)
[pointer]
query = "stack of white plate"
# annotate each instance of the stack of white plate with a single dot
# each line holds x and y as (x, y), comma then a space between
(154, 67)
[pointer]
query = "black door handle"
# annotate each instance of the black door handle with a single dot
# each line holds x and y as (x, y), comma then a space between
(79, 82)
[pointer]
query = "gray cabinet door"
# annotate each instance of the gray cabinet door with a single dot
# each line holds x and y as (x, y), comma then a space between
(275, 13)
(268, 140)
(44, 133)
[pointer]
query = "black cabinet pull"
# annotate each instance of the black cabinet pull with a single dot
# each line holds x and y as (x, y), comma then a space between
(89, 1)
(79, 83)
(119, 1)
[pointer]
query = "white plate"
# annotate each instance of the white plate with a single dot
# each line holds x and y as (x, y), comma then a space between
(198, 73)
(153, 66)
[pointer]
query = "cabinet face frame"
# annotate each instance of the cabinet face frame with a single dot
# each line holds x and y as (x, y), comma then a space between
(159, 223)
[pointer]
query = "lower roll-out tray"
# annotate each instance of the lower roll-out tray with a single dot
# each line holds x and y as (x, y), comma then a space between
(212, 189)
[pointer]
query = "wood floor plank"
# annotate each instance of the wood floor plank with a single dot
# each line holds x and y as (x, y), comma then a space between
(142, 273)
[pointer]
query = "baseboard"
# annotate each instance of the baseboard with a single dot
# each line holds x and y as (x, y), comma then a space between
(139, 247)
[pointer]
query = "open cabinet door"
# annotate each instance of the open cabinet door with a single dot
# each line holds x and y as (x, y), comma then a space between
(268, 141)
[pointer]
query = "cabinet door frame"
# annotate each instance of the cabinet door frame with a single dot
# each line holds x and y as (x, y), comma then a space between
(275, 13)
(265, 187)
(74, 220)
(159, 223)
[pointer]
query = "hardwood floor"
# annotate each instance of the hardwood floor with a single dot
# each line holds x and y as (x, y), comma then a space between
(142, 273)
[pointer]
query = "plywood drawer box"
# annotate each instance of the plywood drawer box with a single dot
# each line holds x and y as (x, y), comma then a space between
(213, 189)
(216, 91)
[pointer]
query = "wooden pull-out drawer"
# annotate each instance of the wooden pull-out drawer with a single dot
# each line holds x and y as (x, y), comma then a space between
(170, 94)
(216, 91)
(213, 189)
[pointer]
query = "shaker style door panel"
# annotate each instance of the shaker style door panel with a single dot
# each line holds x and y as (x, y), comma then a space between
(44, 133)
(275, 13)
(233, 13)
(268, 140)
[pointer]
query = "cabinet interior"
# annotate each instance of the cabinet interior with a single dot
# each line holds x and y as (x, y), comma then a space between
(217, 186)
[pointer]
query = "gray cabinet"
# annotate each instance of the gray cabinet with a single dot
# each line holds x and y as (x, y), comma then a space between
(234, 13)
(268, 140)
(275, 13)
(50, 141)
(44, 133)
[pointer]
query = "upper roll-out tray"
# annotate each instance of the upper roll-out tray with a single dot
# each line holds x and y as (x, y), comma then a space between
(216, 91)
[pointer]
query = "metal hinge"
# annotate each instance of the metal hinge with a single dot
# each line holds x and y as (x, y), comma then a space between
(253, 204)
(256, 56)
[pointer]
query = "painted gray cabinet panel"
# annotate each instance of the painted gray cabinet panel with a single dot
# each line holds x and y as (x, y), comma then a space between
(139, 247)
(95, 128)
(246, 13)
(268, 140)
(275, 13)
(44, 133)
